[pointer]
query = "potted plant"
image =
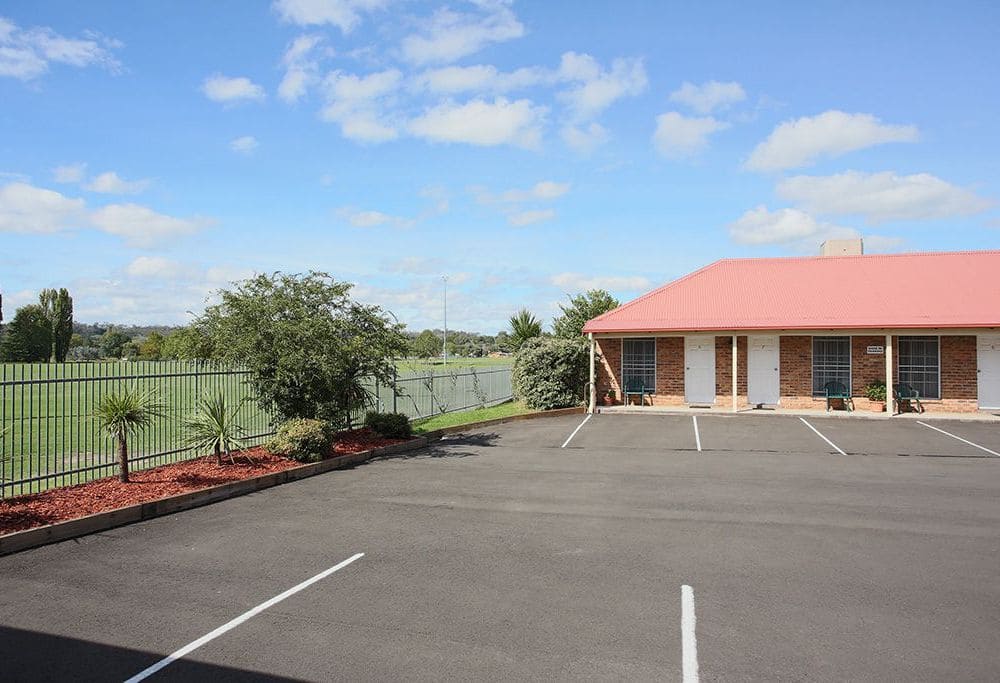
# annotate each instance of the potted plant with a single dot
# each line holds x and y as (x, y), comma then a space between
(875, 391)
(609, 397)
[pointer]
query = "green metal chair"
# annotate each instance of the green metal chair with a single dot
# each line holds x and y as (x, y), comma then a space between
(904, 392)
(838, 390)
(636, 387)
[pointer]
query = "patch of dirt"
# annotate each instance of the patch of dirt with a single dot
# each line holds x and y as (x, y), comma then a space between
(100, 495)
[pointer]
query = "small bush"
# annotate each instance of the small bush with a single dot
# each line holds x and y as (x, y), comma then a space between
(302, 439)
(389, 425)
(550, 372)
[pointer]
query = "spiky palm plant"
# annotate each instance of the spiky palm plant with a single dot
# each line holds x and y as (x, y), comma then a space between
(524, 326)
(214, 425)
(121, 415)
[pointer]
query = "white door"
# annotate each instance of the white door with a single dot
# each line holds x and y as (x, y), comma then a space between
(989, 370)
(699, 369)
(762, 370)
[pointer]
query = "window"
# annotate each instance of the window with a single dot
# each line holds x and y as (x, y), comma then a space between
(639, 362)
(920, 365)
(831, 362)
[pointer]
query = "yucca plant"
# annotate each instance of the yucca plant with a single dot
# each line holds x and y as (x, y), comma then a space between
(121, 415)
(214, 425)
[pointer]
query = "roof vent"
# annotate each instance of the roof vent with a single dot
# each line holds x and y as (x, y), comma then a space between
(855, 247)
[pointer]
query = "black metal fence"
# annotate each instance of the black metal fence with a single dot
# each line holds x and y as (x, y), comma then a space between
(48, 436)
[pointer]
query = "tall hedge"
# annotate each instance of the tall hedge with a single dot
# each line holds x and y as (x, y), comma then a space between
(551, 372)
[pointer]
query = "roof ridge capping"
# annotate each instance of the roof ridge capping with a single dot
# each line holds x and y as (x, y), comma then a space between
(841, 257)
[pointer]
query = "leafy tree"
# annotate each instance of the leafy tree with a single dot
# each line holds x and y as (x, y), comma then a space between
(151, 348)
(121, 415)
(28, 337)
(426, 345)
(58, 307)
(550, 372)
(582, 308)
(113, 343)
(215, 425)
(308, 347)
(187, 343)
(523, 326)
(502, 341)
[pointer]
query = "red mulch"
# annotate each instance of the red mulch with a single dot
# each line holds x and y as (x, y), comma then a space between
(100, 495)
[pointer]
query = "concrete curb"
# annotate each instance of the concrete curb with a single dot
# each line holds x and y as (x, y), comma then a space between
(102, 521)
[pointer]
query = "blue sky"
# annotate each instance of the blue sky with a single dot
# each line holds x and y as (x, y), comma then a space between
(151, 152)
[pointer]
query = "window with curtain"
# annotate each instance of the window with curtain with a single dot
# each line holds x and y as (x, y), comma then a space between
(831, 362)
(639, 362)
(920, 365)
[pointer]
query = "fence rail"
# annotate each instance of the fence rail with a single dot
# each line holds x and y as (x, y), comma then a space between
(49, 438)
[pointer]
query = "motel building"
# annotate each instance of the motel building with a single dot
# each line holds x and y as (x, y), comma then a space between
(786, 327)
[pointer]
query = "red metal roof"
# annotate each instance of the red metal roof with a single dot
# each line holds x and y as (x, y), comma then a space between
(946, 289)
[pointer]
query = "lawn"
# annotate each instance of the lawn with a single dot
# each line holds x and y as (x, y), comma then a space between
(436, 365)
(469, 416)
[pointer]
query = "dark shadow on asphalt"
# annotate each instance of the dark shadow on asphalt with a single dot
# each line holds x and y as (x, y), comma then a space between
(34, 656)
(449, 446)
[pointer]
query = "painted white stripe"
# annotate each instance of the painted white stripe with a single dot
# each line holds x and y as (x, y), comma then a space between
(566, 442)
(194, 645)
(697, 437)
(982, 448)
(689, 643)
(832, 444)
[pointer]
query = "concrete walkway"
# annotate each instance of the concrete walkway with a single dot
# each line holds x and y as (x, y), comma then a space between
(981, 416)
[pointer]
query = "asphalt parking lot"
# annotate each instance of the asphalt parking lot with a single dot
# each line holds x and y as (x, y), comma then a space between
(823, 549)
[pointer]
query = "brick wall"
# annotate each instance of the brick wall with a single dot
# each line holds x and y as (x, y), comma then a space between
(959, 379)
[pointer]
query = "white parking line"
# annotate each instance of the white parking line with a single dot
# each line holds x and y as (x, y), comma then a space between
(566, 443)
(982, 448)
(835, 446)
(697, 437)
(194, 645)
(689, 643)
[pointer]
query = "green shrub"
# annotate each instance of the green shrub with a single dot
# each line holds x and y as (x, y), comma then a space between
(550, 372)
(389, 425)
(875, 391)
(302, 439)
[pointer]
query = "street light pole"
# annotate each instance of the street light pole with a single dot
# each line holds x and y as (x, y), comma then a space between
(393, 365)
(445, 278)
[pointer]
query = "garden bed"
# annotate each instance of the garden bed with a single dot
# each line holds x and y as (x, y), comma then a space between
(101, 495)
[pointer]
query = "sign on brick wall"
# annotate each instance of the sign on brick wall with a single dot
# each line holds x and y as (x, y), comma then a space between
(876, 350)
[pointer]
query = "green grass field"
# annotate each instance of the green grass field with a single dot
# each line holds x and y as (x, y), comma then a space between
(469, 416)
(437, 365)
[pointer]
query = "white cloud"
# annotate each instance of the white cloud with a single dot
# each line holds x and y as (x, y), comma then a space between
(69, 173)
(522, 218)
(598, 88)
(157, 267)
(372, 219)
(585, 139)
(483, 123)
(679, 136)
(28, 209)
(575, 282)
(451, 80)
(344, 14)
(709, 96)
(356, 103)
(243, 145)
(26, 54)
(219, 88)
(545, 189)
(111, 183)
(301, 67)
(784, 226)
(141, 226)
(880, 197)
(803, 141)
(417, 265)
(448, 35)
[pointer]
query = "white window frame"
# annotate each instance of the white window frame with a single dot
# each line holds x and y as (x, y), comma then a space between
(899, 361)
(812, 362)
(656, 355)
